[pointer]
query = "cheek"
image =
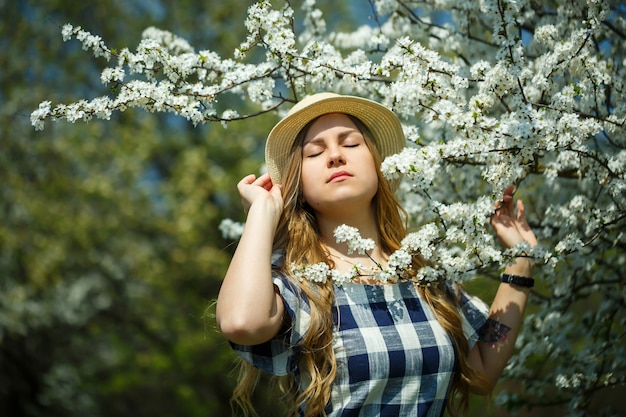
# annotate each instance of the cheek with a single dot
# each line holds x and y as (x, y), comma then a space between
(310, 195)
(373, 183)
(371, 169)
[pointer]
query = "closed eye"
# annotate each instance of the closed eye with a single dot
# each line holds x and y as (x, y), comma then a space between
(313, 151)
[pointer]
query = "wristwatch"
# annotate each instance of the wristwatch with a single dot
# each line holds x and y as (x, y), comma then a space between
(518, 280)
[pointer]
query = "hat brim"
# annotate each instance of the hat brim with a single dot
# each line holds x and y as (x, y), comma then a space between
(384, 125)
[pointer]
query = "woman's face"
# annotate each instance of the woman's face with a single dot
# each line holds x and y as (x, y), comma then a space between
(337, 165)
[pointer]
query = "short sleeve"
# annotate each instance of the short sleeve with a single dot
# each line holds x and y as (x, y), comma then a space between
(474, 315)
(279, 356)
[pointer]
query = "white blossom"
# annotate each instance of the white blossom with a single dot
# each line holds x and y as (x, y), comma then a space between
(38, 116)
(351, 236)
(315, 273)
(231, 229)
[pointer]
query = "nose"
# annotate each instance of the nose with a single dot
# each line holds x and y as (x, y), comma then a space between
(335, 157)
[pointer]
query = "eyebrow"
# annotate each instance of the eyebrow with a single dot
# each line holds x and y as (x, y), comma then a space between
(342, 135)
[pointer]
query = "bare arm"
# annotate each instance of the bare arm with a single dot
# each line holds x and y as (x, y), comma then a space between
(249, 310)
(509, 304)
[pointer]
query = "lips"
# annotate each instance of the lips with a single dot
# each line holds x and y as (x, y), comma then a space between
(339, 176)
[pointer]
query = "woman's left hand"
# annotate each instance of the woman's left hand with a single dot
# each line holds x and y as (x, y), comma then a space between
(510, 224)
(509, 303)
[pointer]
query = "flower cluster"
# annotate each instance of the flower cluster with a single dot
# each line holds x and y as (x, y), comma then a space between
(231, 229)
(351, 236)
(399, 264)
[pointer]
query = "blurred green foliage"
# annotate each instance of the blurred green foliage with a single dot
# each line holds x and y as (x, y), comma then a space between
(109, 245)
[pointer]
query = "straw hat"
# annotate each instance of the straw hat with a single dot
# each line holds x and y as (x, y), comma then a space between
(382, 122)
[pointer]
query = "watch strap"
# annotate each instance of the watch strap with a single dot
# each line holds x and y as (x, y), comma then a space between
(518, 280)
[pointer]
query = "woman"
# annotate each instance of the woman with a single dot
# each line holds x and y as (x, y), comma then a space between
(356, 345)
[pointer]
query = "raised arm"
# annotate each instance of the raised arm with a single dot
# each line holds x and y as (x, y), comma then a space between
(249, 310)
(491, 356)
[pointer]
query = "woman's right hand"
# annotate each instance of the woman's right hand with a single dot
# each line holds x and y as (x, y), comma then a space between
(249, 309)
(253, 189)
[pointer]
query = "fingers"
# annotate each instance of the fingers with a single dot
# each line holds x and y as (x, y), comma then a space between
(263, 181)
(521, 215)
(504, 204)
(521, 211)
(252, 188)
(277, 190)
(248, 179)
(509, 221)
(507, 195)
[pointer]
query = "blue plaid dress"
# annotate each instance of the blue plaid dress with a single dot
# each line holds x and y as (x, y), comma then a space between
(393, 357)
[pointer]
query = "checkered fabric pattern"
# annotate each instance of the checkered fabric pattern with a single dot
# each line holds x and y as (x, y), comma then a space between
(394, 359)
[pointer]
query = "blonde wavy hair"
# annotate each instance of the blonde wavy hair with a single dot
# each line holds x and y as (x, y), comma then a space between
(298, 234)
